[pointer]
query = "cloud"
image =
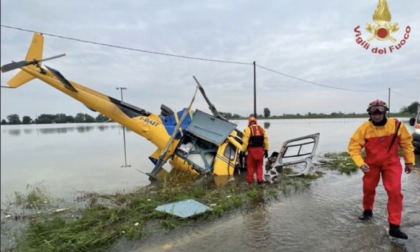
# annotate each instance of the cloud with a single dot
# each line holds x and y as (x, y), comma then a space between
(313, 41)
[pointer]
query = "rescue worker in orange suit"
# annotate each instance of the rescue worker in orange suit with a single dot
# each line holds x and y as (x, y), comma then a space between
(381, 137)
(255, 142)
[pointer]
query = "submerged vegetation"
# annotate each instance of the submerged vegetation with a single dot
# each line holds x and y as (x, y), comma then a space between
(340, 162)
(36, 198)
(98, 221)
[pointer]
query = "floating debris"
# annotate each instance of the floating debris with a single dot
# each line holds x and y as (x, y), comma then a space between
(59, 210)
(183, 209)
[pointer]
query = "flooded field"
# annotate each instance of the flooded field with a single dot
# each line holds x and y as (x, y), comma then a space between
(68, 158)
(322, 218)
(71, 158)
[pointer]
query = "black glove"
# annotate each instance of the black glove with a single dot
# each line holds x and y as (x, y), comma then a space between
(266, 153)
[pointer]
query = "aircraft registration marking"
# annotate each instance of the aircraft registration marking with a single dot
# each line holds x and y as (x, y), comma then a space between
(149, 121)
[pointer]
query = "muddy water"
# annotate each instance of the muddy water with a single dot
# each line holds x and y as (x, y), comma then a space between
(74, 158)
(322, 218)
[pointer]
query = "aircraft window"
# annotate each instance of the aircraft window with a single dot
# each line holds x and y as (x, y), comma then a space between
(229, 152)
(298, 150)
(198, 152)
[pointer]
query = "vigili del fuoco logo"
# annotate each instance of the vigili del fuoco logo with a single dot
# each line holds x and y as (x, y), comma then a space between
(382, 29)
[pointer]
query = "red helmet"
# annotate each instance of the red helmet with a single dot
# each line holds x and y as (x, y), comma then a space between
(252, 119)
(377, 105)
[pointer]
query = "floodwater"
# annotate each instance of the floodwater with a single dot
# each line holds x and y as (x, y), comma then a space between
(68, 158)
(323, 218)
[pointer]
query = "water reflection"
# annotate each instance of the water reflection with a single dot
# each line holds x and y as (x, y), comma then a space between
(53, 129)
(257, 228)
(102, 127)
(83, 129)
(322, 218)
(14, 132)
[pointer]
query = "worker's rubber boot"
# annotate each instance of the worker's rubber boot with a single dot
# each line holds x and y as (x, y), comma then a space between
(394, 231)
(367, 215)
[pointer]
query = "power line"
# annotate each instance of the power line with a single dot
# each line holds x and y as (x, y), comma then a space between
(314, 83)
(187, 57)
(403, 95)
(128, 48)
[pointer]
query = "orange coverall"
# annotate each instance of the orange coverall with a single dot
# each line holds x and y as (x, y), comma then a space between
(383, 159)
(255, 141)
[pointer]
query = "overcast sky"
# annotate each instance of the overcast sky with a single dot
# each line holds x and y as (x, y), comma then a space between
(296, 45)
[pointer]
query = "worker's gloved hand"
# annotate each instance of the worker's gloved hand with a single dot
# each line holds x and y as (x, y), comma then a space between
(266, 153)
(365, 168)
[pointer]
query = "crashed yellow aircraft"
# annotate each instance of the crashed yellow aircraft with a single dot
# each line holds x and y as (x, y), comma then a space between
(191, 140)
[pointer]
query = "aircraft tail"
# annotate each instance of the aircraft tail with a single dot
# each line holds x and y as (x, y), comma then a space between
(20, 79)
(34, 53)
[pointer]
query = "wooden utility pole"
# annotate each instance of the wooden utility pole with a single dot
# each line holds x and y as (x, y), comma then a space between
(389, 99)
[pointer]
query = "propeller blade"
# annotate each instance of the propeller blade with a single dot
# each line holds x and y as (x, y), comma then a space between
(211, 106)
(14, 65)
(19, 64)
(53, 57)
(162, 160)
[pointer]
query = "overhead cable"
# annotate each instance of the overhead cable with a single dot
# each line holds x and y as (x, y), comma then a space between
(188, 57)
(314, 83)
(403, 95)
(129, 48)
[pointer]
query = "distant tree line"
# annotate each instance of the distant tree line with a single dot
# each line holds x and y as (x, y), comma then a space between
(86, 118)
(57, 118)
